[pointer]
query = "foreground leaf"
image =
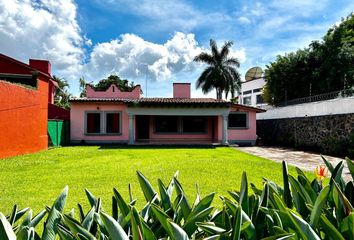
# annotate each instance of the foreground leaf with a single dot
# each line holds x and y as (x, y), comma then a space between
(50, 226)
(350, 167)
(76, 229)
(282, 236)
(115, 231)
(236, 232)
(6, 232)
(146, 187)
(287, 194)
(244, 199)
(177, 233)
(319, 204)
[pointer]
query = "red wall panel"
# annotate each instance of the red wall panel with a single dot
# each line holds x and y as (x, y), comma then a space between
(23, 111)
(23, 114)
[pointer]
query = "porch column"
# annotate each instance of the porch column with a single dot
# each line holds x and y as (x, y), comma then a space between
(131, 128)
(225, 137)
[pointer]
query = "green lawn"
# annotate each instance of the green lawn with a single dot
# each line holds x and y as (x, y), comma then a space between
(35, 180)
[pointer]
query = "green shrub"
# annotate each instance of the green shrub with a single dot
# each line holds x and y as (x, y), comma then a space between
(300, 209)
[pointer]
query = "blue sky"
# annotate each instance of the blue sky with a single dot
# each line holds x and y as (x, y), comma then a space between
(158, 40)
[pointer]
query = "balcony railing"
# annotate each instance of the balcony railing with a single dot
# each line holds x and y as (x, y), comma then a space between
(320, 97)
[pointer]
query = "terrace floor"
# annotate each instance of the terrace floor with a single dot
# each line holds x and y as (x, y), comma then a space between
(304, 160)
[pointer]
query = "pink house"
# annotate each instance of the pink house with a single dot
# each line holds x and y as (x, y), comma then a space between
(113, 116)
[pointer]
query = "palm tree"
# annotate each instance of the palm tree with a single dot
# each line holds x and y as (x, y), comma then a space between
(82, 83)
(221, 74)
(62, 96)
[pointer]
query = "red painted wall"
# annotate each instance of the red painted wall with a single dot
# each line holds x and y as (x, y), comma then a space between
(23, 113)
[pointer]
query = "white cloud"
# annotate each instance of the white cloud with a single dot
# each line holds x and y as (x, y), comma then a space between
(258, 9)
(240, 54)
(44, 29)
(132, 57)
(244, 20)
(252, 10)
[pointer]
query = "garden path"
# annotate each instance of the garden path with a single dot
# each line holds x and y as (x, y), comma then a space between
(301, 159)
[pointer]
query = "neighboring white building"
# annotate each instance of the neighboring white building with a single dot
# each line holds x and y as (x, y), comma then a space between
(251, 93)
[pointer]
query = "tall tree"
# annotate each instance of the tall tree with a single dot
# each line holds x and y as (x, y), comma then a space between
(123, 84)
(221, 74)
(62, 96)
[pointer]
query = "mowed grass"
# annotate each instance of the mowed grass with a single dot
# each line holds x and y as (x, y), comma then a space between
(35, 180)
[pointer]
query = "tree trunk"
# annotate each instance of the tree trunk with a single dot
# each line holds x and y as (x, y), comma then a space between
(218, 93)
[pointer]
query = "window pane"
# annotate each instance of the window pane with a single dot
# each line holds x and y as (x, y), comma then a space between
(93, 122)
(238, 120)
(194, 124)
(247, 92)
(166, 124)
(260, 99)
(112, 123)
(247, 100)
(257, 90)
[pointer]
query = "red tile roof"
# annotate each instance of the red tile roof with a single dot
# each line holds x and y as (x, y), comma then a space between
(150, 100)
(201, 102)
(123, 100)
(246, 107)
(181, 100)
(159, 101)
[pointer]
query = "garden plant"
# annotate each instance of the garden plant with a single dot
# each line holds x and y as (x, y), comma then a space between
(299, 209)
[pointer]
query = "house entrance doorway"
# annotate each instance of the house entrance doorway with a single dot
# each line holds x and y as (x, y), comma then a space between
(142, 127)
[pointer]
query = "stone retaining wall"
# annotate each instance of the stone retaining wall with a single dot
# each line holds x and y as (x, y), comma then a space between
(330, 134)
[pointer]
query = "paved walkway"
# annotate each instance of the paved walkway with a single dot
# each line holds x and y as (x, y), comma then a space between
(303, 160)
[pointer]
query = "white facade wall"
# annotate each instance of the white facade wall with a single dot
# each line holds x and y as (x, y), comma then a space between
(254, 88)
(329, 107)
